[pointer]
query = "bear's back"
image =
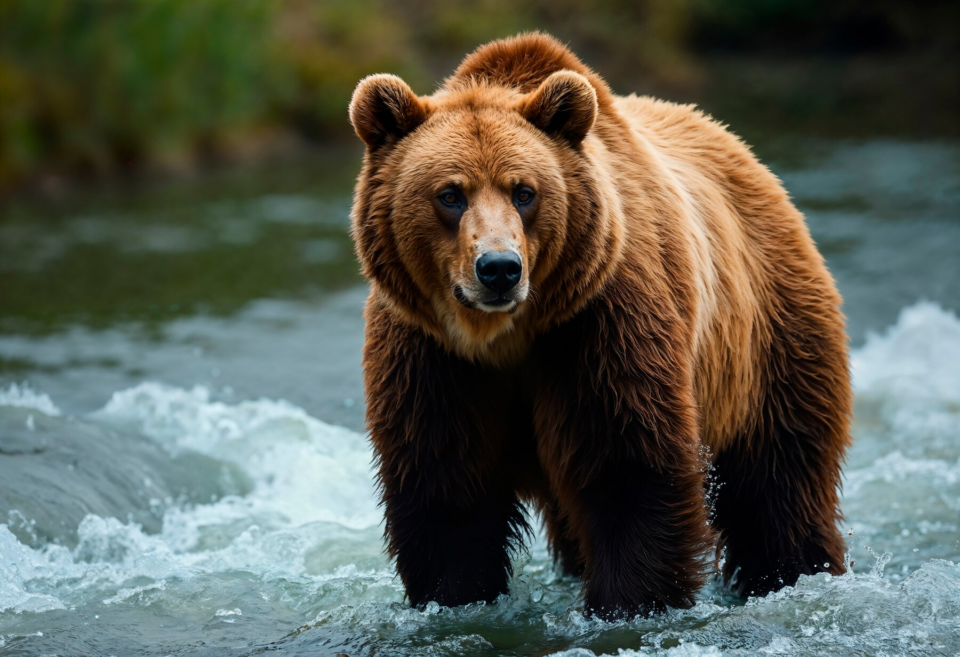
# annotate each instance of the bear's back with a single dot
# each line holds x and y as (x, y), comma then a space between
(752, 251)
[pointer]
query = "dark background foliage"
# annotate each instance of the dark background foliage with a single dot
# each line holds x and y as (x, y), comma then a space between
(106, 86)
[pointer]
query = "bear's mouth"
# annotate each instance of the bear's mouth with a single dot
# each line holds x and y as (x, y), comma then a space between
(499, 304)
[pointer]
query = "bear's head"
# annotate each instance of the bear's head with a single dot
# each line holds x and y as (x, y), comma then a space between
(480, 212)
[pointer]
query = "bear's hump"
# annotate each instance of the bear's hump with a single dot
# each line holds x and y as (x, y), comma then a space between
(522, 62)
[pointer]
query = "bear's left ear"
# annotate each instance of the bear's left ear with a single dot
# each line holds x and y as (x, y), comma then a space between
(564, 105)
(384, 108)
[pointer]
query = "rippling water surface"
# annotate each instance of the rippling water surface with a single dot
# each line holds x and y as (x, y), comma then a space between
(183, 470)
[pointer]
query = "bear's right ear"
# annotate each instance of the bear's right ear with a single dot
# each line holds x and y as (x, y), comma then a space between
(564, 105)
(384, 108)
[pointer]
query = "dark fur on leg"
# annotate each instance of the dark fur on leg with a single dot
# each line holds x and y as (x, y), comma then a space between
(617, 435)
(564, 546)
(452, 514)
(454, 555)
(771, 533)
(777, 519)
(649, 540)
(777, 505)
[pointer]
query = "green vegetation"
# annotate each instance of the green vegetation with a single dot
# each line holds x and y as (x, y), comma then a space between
(104, 85)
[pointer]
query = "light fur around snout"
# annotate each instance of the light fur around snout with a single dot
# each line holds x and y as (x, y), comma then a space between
(491, 224)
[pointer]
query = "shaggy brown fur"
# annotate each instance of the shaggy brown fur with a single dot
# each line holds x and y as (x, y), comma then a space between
(670, 298)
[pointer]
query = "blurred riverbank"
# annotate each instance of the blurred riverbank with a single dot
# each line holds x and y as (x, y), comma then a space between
(94, 90)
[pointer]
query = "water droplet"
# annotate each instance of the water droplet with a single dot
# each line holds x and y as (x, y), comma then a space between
(826, 565)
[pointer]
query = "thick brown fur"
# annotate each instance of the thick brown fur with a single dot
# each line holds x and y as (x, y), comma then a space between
(672, 303)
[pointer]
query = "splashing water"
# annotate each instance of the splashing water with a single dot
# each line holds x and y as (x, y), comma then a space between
(221, 528)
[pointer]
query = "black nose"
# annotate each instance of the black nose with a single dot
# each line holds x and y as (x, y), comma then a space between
(499, 270)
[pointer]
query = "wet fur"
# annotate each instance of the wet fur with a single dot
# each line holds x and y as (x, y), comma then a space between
(676, 301)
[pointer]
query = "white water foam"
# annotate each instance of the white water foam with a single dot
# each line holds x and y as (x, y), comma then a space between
(19, 565)
(685, 650)
(23, 396)
(308, 531)
(304, 470)
(312, 486)
(911, 372)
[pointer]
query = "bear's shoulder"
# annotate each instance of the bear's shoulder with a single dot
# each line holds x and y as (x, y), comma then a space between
(673, 120)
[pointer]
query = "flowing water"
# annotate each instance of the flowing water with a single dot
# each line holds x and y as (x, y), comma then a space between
(183, 469)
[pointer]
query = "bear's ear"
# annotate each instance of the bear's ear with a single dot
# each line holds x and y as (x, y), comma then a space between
(384, 109)
(564, 105)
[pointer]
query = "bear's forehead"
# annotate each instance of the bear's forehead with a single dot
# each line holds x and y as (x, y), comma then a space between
(476, 126)
(476, 97)
(476, 145)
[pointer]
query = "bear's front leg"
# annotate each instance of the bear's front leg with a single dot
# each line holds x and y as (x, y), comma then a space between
(617, 435)
(452, 553)
(452, 515)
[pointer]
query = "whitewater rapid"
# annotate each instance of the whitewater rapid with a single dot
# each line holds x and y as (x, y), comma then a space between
(228, 527)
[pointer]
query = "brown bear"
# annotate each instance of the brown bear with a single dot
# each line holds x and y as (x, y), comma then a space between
(586, 302)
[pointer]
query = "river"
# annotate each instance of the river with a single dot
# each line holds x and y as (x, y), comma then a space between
(183, 469)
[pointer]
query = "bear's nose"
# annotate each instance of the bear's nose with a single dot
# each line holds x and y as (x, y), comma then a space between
(499, 270)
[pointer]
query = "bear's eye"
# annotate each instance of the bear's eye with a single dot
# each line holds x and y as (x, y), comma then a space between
(523, 196)
(450, 198)
(450, 204)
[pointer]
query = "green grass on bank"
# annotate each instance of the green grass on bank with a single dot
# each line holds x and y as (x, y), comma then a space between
(104, 85)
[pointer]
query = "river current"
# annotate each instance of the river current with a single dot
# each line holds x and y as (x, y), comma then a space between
(194, 480)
